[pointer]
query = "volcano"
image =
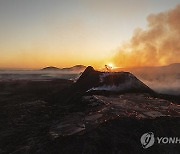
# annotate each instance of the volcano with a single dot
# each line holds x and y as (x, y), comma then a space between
(102, 112)
(92, 80)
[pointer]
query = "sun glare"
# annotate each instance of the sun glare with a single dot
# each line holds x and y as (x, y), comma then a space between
(110, 65)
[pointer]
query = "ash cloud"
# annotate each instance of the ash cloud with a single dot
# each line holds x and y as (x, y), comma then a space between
(159, 44)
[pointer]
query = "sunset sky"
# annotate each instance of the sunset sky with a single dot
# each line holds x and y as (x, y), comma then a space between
(62, 33)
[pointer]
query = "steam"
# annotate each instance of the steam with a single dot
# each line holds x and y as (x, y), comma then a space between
(164, 79)
(171, 87)
(159, 44)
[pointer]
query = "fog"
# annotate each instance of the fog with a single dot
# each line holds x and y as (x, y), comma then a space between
(10, 75)
(161, 79)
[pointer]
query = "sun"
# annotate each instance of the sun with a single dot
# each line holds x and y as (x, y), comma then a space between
(110, 65)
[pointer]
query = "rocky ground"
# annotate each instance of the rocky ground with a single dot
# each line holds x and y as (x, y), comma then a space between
(55, 116)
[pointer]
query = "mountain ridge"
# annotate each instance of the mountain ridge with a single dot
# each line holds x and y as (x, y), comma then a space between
(73, 68)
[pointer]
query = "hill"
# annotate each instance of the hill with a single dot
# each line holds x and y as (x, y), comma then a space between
(92, 80)
(76, 68)
(50, 68)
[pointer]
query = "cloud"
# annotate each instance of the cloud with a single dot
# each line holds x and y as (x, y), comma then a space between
(158, 44)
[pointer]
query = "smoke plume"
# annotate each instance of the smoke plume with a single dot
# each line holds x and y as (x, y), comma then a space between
(159, 44)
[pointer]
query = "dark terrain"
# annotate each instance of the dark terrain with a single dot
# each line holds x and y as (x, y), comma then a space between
(76, 68)
(100, 113)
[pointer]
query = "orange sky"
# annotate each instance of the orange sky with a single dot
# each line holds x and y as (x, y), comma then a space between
(64, 33)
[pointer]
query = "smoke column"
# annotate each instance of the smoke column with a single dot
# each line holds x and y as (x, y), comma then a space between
(159, 44)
